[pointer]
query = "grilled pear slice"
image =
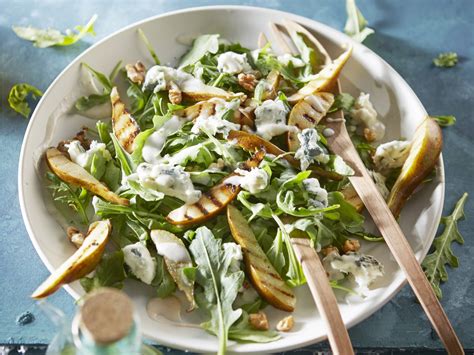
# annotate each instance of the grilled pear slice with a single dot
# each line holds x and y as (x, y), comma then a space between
(265, 279)
(79, 264)
(208, 108)
(325, 79)
(307, 113)
(125, 128)
(253, 142)
(273, 81)
(213, 201)
(72, 173)
(177, 259)
(351, 196)
(424, 154)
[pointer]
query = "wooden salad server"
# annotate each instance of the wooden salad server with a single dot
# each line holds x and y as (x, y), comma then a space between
(341, 144)
(315, 273)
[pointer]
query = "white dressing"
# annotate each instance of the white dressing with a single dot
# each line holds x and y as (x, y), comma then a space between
(270, 119)
(213, 124)
(253, 180)
(233, 63)
(83, 157)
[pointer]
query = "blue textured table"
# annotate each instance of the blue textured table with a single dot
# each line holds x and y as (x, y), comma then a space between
(408, 35)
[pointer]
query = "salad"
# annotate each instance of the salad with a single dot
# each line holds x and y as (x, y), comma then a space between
(200, 174)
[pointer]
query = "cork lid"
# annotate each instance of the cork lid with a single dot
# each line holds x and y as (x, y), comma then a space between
(106, 315)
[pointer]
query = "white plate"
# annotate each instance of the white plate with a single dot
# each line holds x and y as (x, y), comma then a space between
(392, 97)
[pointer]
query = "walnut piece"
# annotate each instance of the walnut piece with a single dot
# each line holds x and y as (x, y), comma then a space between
(247, 81)
(136, 72)
(369, 135)
(329, 250)
(258, 321)
(75, 236)
(286, 324)
(350, 245)
(174, 94)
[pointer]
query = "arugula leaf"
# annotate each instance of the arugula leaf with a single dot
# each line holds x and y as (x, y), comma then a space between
(43, 38)
(446, 60)
(434, 264)
(17, 98)
(356, 24)
(201, 46)
(109, 273)
(163, 281)
(445, 121)
(220, 285)
(149, 46)
(243, 332)
(70, 196)
(342, 101)
(86, 102)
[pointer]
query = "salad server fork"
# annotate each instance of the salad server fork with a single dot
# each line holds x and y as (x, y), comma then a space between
(341, 144)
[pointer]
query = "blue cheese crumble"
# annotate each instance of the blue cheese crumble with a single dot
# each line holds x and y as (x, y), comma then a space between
(270, 119)
(310, 151)
(141, 263)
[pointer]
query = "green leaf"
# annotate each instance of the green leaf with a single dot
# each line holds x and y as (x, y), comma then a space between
(43, 38)
(101, 77)
(18, 95)
(148, 46)
(201, 46)
(356, 24)
(445, 121)
(242, 332)
(109, 273)
(163, 282)
(86, 102)
(126, 161)
(446, 60)
(434, 264)
(139, 143)
(220, 286)
(342, 101)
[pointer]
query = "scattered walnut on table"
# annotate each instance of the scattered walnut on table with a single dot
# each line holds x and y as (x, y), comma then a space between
(258, 321)
(174, 94)
(75, 236)
(351, 245)
(136, 72)
(285, 324)
(247, 81)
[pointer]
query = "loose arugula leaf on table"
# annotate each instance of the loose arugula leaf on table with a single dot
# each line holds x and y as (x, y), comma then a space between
(445, 121)
(43, 38)
(219, 285)
(434, 264)
(201, 46)
(446, 60)
(18, 95)
(109, 273)
(356, 24)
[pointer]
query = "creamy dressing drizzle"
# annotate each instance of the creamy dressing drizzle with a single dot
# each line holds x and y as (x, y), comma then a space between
(168, 308)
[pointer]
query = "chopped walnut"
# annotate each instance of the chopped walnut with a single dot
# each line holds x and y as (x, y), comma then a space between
(258, 321)
(286, 324)
(329, 250)
(247, 81)
(136, 72)
(175, 94)
(80, 136)
(350, 245)
(75, 236)
(369, 135)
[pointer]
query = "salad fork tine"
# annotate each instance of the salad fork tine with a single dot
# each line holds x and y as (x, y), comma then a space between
(341, 144)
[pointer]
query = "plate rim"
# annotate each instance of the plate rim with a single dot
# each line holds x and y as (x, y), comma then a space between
(304, 21)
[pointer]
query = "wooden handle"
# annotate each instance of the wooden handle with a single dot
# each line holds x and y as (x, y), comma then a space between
(341, 144)
(323, 296)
